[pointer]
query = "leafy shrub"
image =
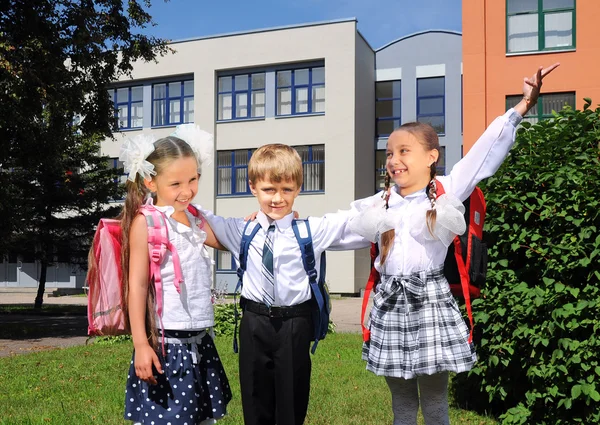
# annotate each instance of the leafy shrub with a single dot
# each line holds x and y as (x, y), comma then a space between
(224, 319)
(539, 318)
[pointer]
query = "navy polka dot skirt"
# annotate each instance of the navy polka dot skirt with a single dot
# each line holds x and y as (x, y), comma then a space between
(192, 388)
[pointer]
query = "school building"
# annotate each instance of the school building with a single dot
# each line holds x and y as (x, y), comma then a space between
(506, 40)
(319, 87)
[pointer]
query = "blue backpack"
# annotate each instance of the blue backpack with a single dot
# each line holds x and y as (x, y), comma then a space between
(320, 294)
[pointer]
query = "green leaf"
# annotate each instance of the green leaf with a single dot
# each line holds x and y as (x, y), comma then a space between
(575, 391)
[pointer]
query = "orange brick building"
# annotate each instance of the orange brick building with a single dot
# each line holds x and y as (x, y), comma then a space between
(506, 40)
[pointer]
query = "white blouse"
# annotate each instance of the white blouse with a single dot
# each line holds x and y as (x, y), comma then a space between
(414, 249)
(191, 309)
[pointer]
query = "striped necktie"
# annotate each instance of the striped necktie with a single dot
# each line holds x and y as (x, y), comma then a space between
(268, 278)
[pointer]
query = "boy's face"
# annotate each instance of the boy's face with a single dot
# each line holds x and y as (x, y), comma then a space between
(276, 200)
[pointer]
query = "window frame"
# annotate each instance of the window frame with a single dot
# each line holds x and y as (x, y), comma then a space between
(293, 86)
(129, 104)
(541, 27)
(311, 161)
(233, 169)
(233, 92)
(219, 268)
(168, 99)
(539, 107)
(387, 99)
(442, 96)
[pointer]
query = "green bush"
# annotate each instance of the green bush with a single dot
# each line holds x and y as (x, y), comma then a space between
(224, 319)
(539, 318)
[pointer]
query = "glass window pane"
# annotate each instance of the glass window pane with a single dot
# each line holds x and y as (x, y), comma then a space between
(385, 127)
(174, 111)
(558, 29)
(123, 95)
(241, 82)
(241, 157)
(224, 84)
(314, 176)
(175, 89)
(137, 114)
(318, 99)
(520, 6)
(258, 81)
(556, 101)
(241, 105)
(224, 112)
(241, 179)
(224, 181)
(387, 108)
(188, 110)
(436, 122)
(301, 77)
(224, 159)
(430, 86)
(318, 153)
(303, 151)
(559, 4)
(188, 88)
(284, 101)
(301, 100)
(224, 260)
(258, 103)
(433, 105)
(159, 91)
(384, 89)
(137, 93)
(522, 33)
(159, 112)
(123, 113)
(318, 75)
(284, 78)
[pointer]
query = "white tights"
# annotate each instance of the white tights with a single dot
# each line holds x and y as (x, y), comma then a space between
(431, 390)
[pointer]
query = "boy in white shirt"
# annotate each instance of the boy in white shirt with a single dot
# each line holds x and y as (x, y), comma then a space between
(276, 327)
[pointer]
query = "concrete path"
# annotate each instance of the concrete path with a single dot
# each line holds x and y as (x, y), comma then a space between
(45, 332)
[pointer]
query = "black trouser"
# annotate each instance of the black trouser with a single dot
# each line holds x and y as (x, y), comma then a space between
(275, 364)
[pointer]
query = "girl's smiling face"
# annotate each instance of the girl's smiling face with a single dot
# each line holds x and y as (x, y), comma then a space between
(408, 162)
(176, 184)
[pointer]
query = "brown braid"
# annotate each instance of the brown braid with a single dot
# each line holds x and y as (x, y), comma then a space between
(432, 195)
(387, 238)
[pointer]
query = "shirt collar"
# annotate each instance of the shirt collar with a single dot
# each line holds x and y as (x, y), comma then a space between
(396, 198)
(280, 224)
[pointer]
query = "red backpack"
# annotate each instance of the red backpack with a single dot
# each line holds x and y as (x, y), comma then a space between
(465, 267)
(104, 277)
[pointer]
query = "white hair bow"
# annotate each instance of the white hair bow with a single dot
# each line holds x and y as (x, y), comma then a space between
(134, 153)
(199, 140)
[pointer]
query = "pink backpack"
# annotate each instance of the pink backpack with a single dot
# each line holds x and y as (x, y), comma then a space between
(104, 277)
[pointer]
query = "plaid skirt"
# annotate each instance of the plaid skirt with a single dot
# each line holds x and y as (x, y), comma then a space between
(192, 388)
(417, 328)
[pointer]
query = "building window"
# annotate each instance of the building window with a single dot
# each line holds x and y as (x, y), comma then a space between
(547, 102)
(232, 172)
(172, 103)
(534, 25)
(313, 166)
(441, 164)
(241, 96)
(380, 170)
(225, 261)
(301, 91)
(431, 102)
(387, 107)
(129, 108)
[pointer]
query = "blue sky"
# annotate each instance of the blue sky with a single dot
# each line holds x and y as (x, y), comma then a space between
(379, 21)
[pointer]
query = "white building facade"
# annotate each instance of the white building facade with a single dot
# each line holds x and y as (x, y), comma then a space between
(320, 88)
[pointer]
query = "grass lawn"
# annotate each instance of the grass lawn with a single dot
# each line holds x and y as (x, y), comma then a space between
(85, 385)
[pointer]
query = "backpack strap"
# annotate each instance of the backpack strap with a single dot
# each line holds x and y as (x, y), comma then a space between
(374, 279)
(250, 230)
(302, 231)
(158, 244)
(465, 279)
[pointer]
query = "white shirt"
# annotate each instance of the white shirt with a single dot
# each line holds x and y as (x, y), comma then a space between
(413, 250)
(291, 281)
(191, 309)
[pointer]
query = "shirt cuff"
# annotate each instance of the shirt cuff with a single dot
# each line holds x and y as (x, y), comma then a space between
(513, 117)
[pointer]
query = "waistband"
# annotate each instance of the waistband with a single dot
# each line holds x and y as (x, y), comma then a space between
(302, 309)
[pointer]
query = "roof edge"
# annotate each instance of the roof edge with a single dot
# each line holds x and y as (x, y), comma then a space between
(415, 34)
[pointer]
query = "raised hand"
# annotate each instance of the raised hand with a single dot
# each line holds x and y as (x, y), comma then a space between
(532, 86)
